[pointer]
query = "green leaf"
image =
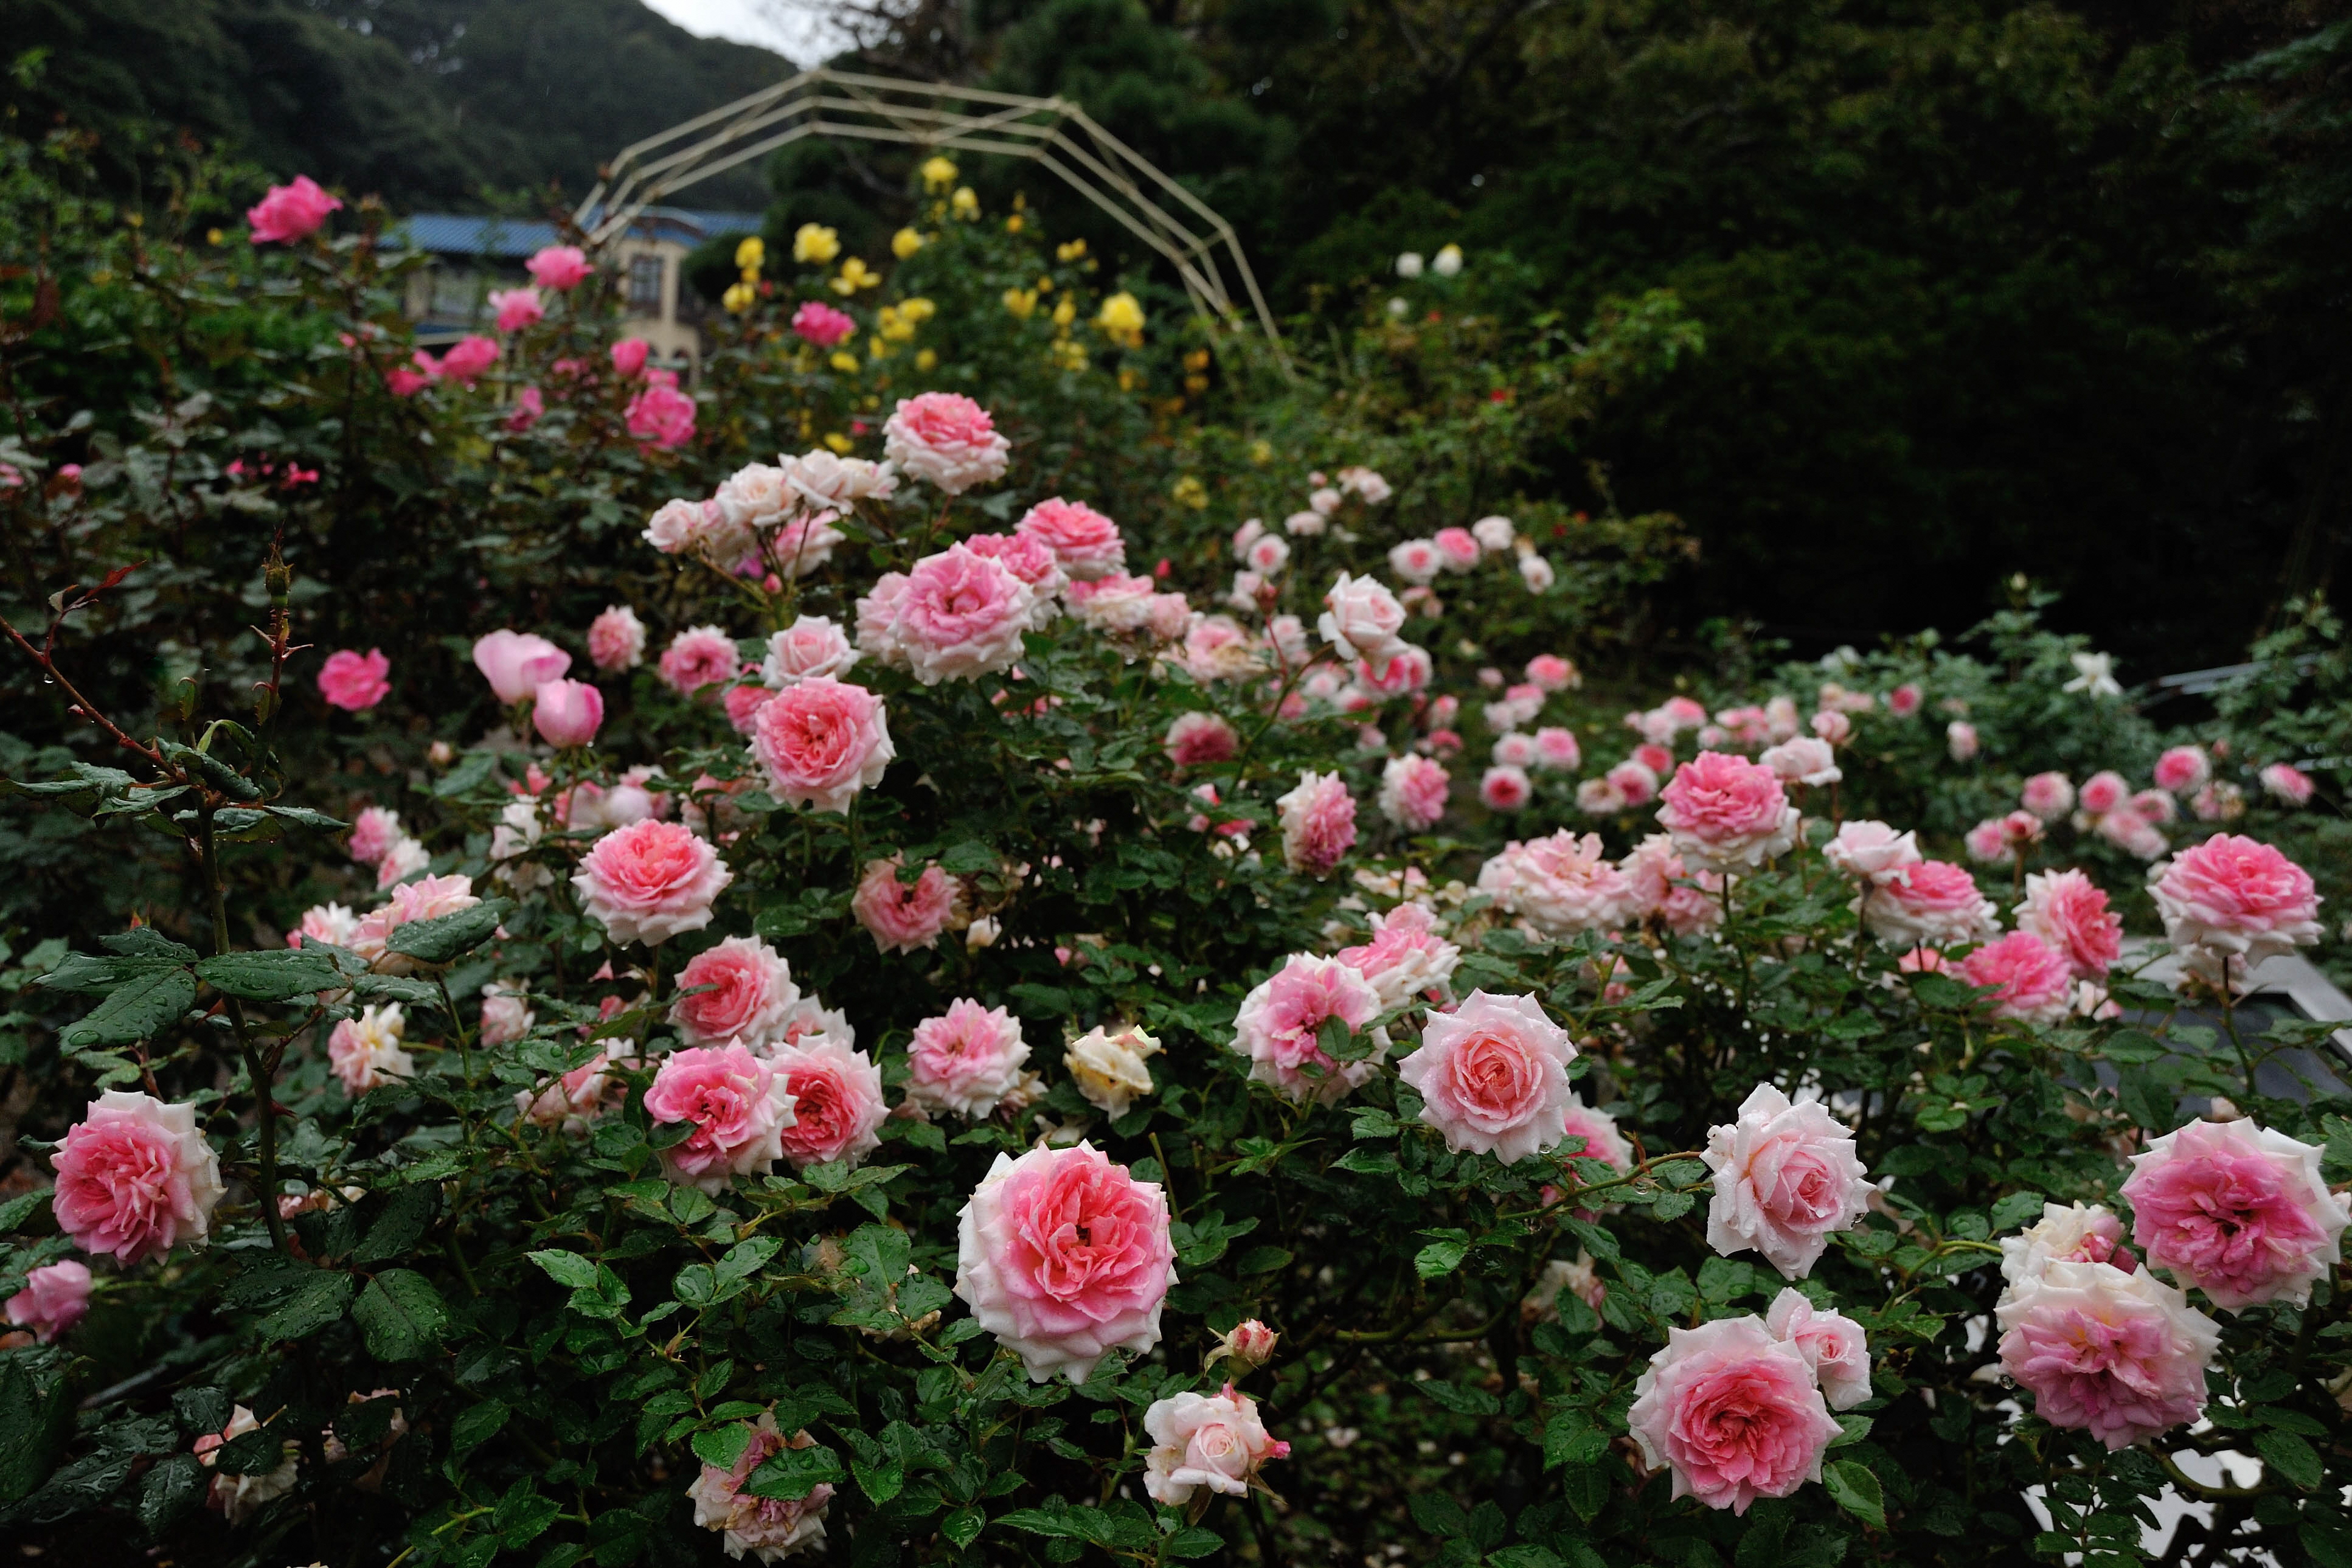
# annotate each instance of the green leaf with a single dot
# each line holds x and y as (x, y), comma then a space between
(320, 1300)
(522, 1516)
(134, 1011)
(18, 1209)
(963, 1527)
(402, 1315)
(722, 1445)
(171, 1489)
(1192, 1541)
(445, 937)
(2290, 1457)
(1570, 1438)
(33, 1425)
(271, 976)
(2017, 1209)
(305, 816)
(1528, 1556)
(401, 1226)
(792, 1473)
(475, 1426)
(566, 1268)
(1854, 1488)
(1460, 1398)
(1440, 1258)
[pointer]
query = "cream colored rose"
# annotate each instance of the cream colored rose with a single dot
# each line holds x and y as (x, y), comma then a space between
(1108, 1066)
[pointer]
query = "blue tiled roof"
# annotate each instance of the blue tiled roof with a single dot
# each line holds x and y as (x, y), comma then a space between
(511, 239)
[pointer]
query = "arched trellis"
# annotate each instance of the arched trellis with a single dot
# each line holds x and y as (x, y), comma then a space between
(1047, 130)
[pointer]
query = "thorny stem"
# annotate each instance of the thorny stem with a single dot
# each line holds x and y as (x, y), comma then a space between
(45, 657)
(256, 1070)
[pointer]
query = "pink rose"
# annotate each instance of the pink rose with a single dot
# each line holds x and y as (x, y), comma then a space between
(515, 308)
(2075, 1232)
(649, 881)
(1805, 760)
(769, 1528)
(562, 267)
(751, 993)
(1987, 842)
(584, 1093)
(616, 639)
(1277, 1029)
(2048, 796)
(2287, 784)
(1493, 1077)
(1935, 902)
(1361, 619)
(1598, 1128)
(1831, 1343)
(426, 899)
(739, 1108)
(967, 1061)
(1403, 673)
(1413, 793)
(838, 1104)
(355, 682)
(1833, 727)
(828, 482)
(1560, 886)
(288, 213)
(468, 359)
(506, 1017)
(1660, 887)
(2122, 1356)
(1086, 543)
(1197, 738)
(1504, 788)
(373, 833)
(700, 657)
(2183, 770)
(2102, 792)
(1960, 740)
(902, 916)
(629, 357)
(1416, 560)
(660, 415)
(2240, 1211)
(53, 1299)
(1785, 1177)
(1458, 547)
(1870, 851)
(812, 645)
(1904, 699)
(1495, 534)
(1654, 760)
(1735, 1412)
(1065, 1257)
(2069, 911)
(239, 1497)
(1246, 1346)
(821, 324)
(1405, 959)
(947, 440)
(1728, 814)
(2029, 980)
(820, 741)
(2236, 902)
(517, 663)
(1319, 824)
(1113, 603)
(366, 1053)
(1557, 750)
(135, 1178)
(1552, 672)
(568, 712)
(529, 408)
(961, 615)
(1213, 1440)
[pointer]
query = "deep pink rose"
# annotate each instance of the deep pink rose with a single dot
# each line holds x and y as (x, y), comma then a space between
(2122, 1356)
(1831, 1343)
(1728, 814)
(838, 1104)
(903, 915)
(1414, 792)
(1197, 738)
(1458, 547)
(2048, 795)
(821, 324)
(739, 1106)
(1319, 824)
(567, 713)
(2069, 911)
(1733, 1411)
(562, 267)
(2029, 979)
(1660, 887)
(1786, 1175)
(468, 358)
(751, 993)
(629, 357)
(353, 681)
(1504, 788)
(529, 407)
(515, 308)
(2236, 899)
(1063, 1257)
(967, 1061)
(1086, 543)
(700, 657)
(743, 704)
(1279, 1022)
(1213, 1440)
(947, 440)
(2183, 770)
(517, 663)
(820, 741)
(1493, 1077)
(649, 881)
(53, 1299)
(660, 415)
(2240, 1211)
(288, 213)
(616, 639)
(373, 833)
(1905, 701)
(2102, 792)
(135, 1178)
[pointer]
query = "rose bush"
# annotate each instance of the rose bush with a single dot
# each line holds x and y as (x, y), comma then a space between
(996, 1051)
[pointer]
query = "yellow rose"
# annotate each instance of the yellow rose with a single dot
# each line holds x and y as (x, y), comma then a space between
(855, 274)
(1065, 312)
(938, 172)
(905, 243)
(844, 362)
(1021, 302)
(815, 243)
(918, 309)
(927, 361)
(1121, 320)
(1070, 251)
(839, 442)
(740, 297)
(965, 204)
(749, 254)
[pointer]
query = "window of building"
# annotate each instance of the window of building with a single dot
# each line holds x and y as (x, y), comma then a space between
(645, 286)
(457, 294)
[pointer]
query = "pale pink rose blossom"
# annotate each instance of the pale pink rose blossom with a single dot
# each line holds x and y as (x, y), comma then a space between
(427, 897)
(1305, 524)
(366, 1052)
(1086, 544)
(902, 916)
(804, 544)
(406, 858)
(838, 1104)
(1556, 750)
(616, 640)
(2237, 1211)
(567, 713)
(1831, 1343)
(2029, 980)
(1217, 648)
(967, 1061)
(751, 993)
(1065, 1257)
(1405, 959)
(135, 1178)
(355, 681)
(1988, 843)
(1600, 797)
(1319, 824)
(1633, 781)
(1277, 1029)
(515, 308)
(947, 440)
(1870, 851)
(650, 881)
(1458, 549)
(1537, 574)
(1786, 1176)
(515, 663)
(698, 657)
(1197, 738)
(2230, 902)
(290, 212)
(1560, 886)
(960, 616)
(2072, 1233)
(758, 495)
(1832, 728)
(820, 741)
(2219, 801)
(1493, 1077)
(699, 527)
(1417, 561)
(1578, 1277)
(1213, 1440)
(577, 1098)
(1406, 671)
(2128, 829)
(1504, 788)
(739, 1106)
(1934, 902)
(2183, 770)
(2122, 1356)
(562, 267)
(1413, 793)
(1361, 618)
(1904, 699)
(1598, 1128)
(2048, 795)
(1113, 604)
(53, 1299)
(1106, 1064)
(505, 1015)
(1960, 740)
(769, 1528)
(828, 482)
(1734, 1412)
(1726, 813)
(2102, 792)
(2069, 911)
(1807, 760)
(1516, 750)
(373, 833)
(2155, 805)
(239, 1497)
(1495, 534)
(1658, 759)
(1661, 887)
(742, 703)
(1034, 563)
(2287, 784)
(1246, 1346)
(1552, 672)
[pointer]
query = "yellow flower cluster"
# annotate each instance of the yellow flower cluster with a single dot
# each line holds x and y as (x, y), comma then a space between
(1071, 251)
(905, 243)
(897, 322)
(1021, 302)
(1190, 491)
(965, 204)
(744, 293)
(938, 172)
(855, 274)
(815, 243)
(1121, 321)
